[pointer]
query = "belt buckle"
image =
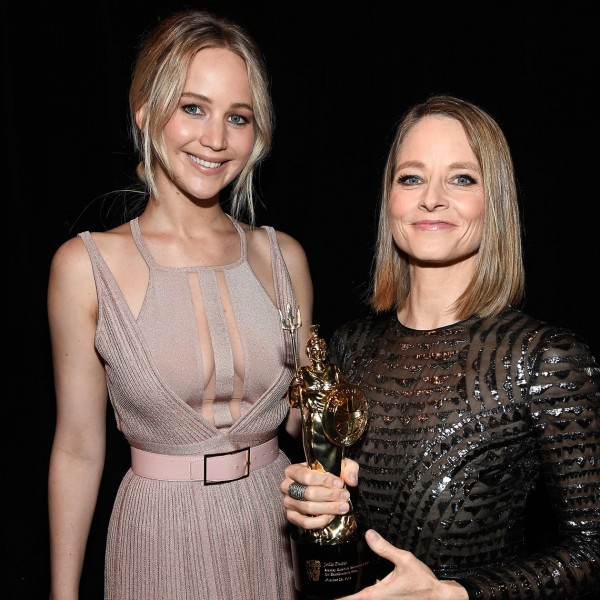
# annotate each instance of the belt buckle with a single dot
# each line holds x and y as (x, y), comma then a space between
(216, 481)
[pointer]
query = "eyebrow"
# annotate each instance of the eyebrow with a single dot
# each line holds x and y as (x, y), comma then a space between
(465, 165)
(201, 97)
(455, 165)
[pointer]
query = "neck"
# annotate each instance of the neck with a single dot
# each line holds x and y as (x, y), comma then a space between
(183, 219)
(433, 294)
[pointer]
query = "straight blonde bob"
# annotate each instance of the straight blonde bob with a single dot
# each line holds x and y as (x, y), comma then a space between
(159, 76)
(498, 279)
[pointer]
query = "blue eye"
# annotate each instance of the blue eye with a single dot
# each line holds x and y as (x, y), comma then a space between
(238, 119)
(464, 180)
(192, 109)
(409, 179)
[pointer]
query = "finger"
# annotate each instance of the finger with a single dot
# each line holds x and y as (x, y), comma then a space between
(314, 508)
(308, 521)
(317, 493)
(313, 485)
(383, 548)
(284, 486)
(302, 474)
(350, 472)
(317, 501)
(296, 468)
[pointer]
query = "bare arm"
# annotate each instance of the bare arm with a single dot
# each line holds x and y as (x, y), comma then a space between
(77, 456)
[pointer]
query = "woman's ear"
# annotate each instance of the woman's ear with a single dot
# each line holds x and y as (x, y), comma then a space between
(140, 116)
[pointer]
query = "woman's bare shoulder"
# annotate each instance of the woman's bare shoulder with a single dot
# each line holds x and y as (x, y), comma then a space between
(292, 250)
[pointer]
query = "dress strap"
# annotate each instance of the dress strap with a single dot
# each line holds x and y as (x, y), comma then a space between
(243, 240)
(139, 242)
(283, 289)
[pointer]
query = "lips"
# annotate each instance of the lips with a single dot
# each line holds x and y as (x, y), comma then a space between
(432, 225)
(205, 163)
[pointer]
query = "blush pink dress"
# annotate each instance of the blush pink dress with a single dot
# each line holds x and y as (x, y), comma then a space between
(202, 332)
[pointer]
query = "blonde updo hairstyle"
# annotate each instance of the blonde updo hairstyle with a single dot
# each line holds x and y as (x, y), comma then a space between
(159, 76)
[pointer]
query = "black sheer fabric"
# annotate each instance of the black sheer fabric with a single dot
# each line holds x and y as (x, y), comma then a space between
(464, 421)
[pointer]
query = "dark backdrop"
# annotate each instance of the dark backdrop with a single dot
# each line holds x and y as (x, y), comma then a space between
(341, 77)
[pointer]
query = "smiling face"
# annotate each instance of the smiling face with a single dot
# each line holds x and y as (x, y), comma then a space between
(210, 137)
(436, 202)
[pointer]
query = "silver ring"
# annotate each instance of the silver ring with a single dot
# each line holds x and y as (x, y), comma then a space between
(296, 490)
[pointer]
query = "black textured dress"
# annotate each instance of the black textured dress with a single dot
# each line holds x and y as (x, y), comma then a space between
(464, 422)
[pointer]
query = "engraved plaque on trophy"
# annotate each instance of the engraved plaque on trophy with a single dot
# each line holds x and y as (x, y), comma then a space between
(336, 560)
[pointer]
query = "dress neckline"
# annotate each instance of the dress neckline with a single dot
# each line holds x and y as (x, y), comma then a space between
(145, 251)
(458, 324)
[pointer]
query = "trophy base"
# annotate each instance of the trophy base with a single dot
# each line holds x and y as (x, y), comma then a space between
(324, 572)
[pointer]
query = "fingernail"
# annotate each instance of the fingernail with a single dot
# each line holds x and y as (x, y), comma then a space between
(372, 535)
(344, 495)
(338, 483)
(344, 507)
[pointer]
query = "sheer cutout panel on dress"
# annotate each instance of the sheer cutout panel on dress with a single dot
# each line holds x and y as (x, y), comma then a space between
(237, 350)
(225, 409)
(204, 401)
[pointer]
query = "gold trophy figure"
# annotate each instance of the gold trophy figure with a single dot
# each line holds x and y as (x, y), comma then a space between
(332, 561)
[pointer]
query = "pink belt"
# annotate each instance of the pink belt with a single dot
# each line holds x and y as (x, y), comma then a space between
(211, 468)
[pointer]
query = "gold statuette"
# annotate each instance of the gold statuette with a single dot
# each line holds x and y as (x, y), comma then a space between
(332, 561)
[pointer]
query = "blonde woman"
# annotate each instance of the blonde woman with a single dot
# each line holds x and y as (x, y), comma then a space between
(175, 316)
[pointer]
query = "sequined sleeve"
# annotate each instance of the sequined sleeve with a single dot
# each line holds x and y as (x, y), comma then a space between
(458, 437)
(564, 404)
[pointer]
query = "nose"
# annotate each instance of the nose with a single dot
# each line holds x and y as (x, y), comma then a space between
(434, 196)
(214, 135)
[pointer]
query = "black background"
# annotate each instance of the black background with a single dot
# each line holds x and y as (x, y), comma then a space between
(342, 75)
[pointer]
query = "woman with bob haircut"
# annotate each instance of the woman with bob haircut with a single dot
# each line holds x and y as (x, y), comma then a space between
(472, 402)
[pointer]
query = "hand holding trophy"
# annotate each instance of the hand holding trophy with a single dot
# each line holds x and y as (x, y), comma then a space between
(332, 561)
